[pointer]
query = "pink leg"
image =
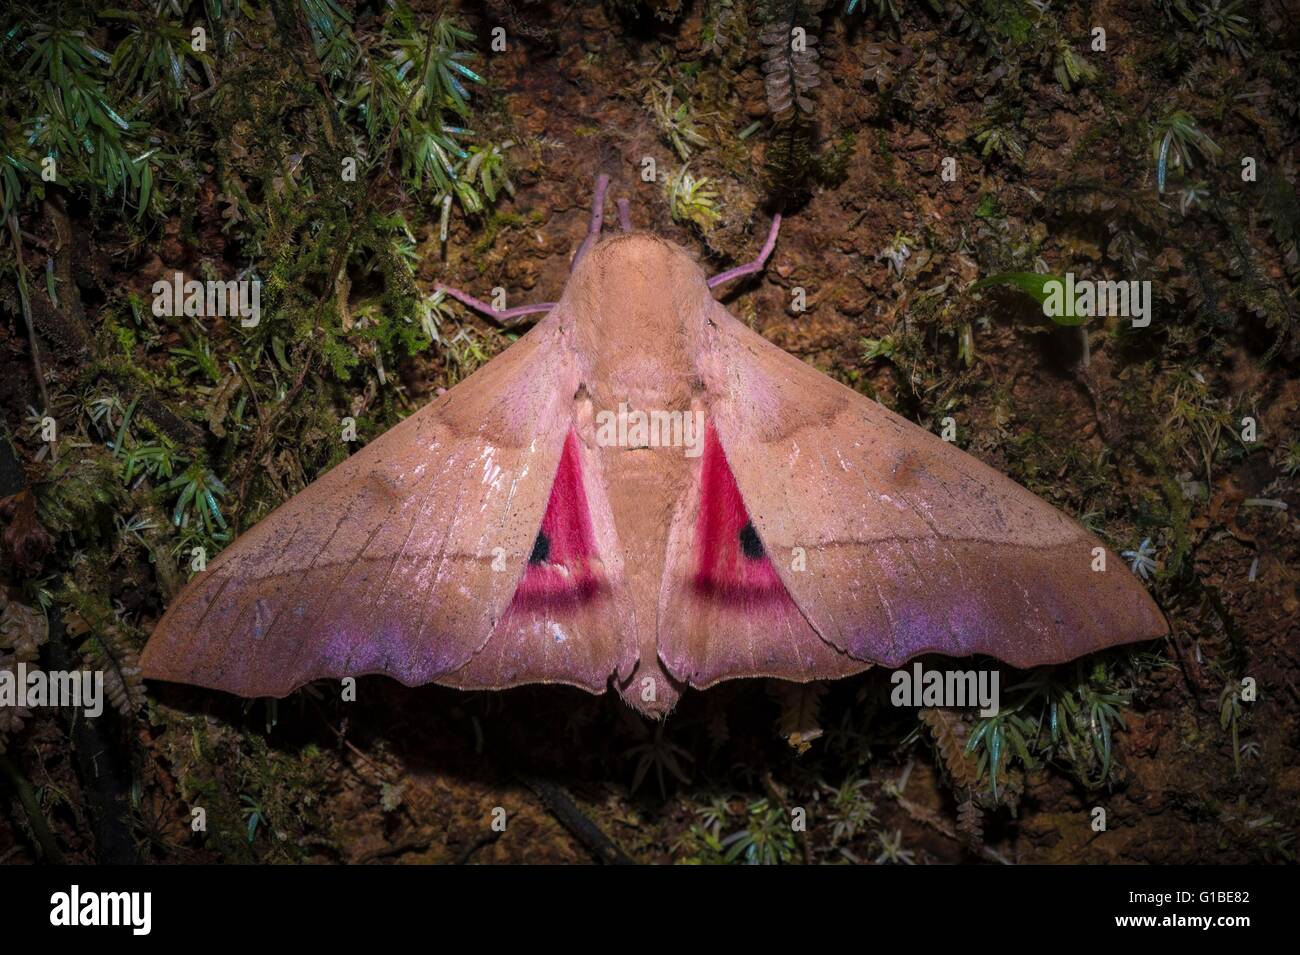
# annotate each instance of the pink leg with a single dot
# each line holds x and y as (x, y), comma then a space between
(749, 268)
(484, 308)
(624, 215)
(597, 220)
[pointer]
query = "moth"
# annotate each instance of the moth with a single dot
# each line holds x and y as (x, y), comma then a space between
(642, 493)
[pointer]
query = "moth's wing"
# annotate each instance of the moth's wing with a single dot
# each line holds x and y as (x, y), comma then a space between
(403, 559)
(908, 545)
(570, 620)
(723, 612)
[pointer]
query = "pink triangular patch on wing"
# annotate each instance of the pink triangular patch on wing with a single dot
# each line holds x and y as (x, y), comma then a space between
(564, 568)
(731, 563)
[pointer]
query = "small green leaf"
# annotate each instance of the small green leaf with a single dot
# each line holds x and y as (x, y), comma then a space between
(1036, 285)
(995, 757)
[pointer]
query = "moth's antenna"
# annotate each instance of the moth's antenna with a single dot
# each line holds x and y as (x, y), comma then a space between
(597, 219)
(749, 268)
(593, 236)
(483, 308)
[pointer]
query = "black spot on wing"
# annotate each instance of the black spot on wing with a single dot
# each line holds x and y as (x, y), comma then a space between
(541, 549)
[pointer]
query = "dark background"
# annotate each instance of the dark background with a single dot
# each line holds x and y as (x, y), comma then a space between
(175, 433)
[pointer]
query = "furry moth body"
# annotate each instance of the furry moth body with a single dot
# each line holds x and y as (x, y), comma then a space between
(492, 540)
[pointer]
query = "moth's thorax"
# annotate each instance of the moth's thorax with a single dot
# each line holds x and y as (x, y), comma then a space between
(638, 304)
